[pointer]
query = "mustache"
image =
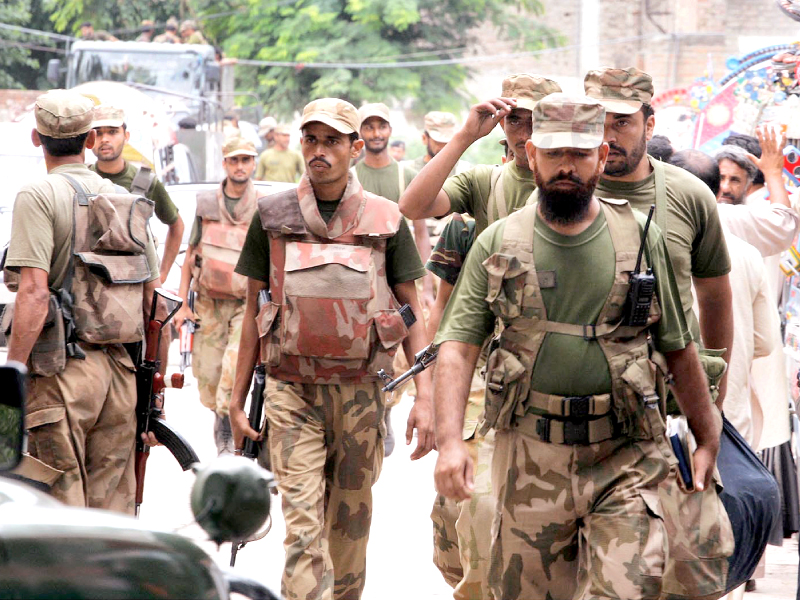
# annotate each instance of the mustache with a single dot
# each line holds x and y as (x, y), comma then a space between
(566, 177)
(617, 148)
(320, 161)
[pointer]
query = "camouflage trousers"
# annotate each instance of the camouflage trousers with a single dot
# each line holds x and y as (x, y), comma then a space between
(326, 448)
(462, 536)
(576, 521)
(83, 422)
(216, 347)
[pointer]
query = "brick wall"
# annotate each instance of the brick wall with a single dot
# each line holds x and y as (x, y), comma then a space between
(14, 102)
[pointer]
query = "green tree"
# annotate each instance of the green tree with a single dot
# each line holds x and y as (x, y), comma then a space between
(363, 31)
(16, 61)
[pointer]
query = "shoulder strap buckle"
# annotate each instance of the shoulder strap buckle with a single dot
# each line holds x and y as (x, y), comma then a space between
(586, 332)
(543, 429)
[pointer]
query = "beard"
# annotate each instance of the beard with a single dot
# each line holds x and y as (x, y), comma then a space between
(564, 206)
(109, 157)
(626, 162)
(376, 146)
(727, 198)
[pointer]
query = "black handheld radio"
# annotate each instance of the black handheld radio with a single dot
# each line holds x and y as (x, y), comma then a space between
(642, 286)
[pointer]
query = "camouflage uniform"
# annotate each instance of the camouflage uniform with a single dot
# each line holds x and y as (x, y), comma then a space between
(81, 412)
(323, 401)
(698, 529)
(576, 463)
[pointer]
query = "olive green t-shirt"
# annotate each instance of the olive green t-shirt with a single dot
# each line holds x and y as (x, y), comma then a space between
(695, 240)
(197, 226)
(41, 226)
(469, 191)
(584, 273)
(402, 259)
(166, 211)
(386, 180)
(280, 165)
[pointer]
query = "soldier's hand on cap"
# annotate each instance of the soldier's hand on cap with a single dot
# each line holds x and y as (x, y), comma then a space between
(240, 427)
(484, 117)
(421, 419)
(772, 146)
(453, 472)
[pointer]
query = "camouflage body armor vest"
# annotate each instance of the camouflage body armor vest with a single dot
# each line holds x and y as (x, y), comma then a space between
(514, 295)
(109, 265)
(333, 317)
(221, 243)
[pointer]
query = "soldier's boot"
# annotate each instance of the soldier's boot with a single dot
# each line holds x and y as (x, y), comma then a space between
(223, 436)
(388, 443)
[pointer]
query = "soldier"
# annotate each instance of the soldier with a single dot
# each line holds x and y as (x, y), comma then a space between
(279, 163)
(148, 29)
(170, 35)
(190, 34)
(397, 148)
(266, 131)
(112, 134)
(579, 446)
(89, 34)
(338, 262)
(686, 211)
(223, 216)
(484, 192)
(80, 410)
(440, 127)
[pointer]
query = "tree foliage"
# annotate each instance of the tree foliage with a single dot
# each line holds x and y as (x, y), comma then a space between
(363, 31)
(16, 61)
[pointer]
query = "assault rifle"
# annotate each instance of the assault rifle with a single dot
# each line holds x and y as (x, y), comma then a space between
(150, 386)
(187, 335)
(250, 448)
(422, 360)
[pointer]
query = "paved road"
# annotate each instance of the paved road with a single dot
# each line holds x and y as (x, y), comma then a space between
(399, 559)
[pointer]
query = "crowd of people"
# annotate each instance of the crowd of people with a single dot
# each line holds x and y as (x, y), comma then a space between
(569, 324)
(186, 33)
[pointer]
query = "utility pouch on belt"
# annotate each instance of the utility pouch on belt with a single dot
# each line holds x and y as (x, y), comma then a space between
(49, 353)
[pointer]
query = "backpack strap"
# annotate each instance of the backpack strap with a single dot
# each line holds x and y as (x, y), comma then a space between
(497, 197)
(401, 174)
(142, 181)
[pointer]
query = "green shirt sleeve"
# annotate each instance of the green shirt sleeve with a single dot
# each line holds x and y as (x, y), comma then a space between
(402, 259)
(31, 243)
(254, 259)
(468, 317)
(672, 332)
(166, 211)
(709, 251)
(451, 249)
(197, 231)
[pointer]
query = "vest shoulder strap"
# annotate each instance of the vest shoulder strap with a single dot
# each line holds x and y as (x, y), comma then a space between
(381, 217)
(496, 207)
(401, 174)
(142, 181)
(281, 213)
(207, 205)
(622, 225)
(518, 232)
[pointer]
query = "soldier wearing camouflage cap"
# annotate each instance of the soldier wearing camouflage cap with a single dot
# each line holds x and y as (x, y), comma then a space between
(440, 127)
(486, 193)
(331, 263)
(279, 162)
(148, 28)
(577, 458)
(190, 34)
(686, 210)
(221, 221)
(80, 409)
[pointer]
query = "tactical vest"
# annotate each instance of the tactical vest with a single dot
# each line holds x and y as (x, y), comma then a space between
(514, 295)
(109, 265)
(333, 317)
(221, 243)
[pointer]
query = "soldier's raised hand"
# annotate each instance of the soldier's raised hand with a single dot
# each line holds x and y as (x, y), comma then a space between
(484, 117)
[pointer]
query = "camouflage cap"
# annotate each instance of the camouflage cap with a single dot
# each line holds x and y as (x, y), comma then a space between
(440, 126)
(148, 25)
(376, 109)
(63, 114)
(188, 24)
(238, 146)
(106, 115)
(621, 91)
(567, 121)
(266, 125)
(527, 90)
(336, 113)
(172, 23)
